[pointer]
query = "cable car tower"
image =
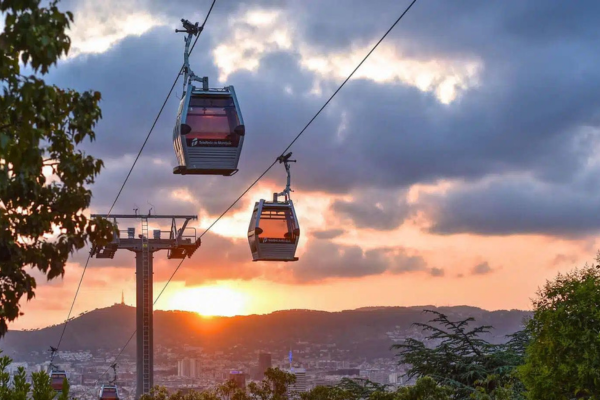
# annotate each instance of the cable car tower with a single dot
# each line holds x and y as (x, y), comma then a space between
(181, 243)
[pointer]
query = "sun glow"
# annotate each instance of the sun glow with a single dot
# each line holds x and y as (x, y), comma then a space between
(210, 301)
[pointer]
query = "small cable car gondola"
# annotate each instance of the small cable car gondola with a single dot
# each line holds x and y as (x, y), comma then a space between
(209, 130)
(57, 379)
(274, 231)
(57, 375)
(109, 391)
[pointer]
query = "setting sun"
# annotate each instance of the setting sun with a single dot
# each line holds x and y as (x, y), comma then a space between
(209, 301)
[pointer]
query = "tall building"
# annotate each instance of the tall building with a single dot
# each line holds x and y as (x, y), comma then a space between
(376, 375)
(301, 385)
(189, 368)
(239, 378)
(396, 379)
(264, 363)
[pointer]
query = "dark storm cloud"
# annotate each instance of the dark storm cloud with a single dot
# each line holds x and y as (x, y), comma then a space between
(382, 210)
(504, 207)
(535, 94)
(328, 234)
(325, 259)
(481, 269)
(401, 262)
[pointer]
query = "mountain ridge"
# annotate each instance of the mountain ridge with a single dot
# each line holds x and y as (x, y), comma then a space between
(368, 331)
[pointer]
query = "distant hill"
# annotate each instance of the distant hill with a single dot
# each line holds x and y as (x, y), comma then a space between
(365, 332)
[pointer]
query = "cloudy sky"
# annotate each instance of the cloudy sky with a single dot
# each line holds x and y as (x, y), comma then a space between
(458, 167)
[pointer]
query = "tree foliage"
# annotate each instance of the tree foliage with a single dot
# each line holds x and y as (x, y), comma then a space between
(43, 173)
(360, 388)
(461, 359)
(328, 393)
(18, 388)
(563, 359)
(425, 389)
(273, 387)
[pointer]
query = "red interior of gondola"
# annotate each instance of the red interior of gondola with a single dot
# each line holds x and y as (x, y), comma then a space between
(212, 119)
(277, 224)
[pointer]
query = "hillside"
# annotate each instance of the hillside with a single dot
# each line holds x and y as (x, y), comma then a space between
(366, 332)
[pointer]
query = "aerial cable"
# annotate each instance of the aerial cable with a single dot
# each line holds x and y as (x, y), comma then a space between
(282, 153)
(131, 170)
(309, 122)
(160, 112)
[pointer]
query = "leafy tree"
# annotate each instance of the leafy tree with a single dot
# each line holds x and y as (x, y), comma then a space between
(43, 173)
(231, 391)
(5, 389)
(42, 390)
(21, 387)
(463, 360)
(508, 391)
(161, 393)
(563, 359)
(157, 393)
(327, 393)
(425, 389)
(361, 388)
(273, 387)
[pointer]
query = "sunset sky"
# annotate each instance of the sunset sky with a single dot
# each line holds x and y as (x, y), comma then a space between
(459, 166)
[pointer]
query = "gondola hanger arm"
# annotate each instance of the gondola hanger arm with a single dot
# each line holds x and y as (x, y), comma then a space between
(191, 29)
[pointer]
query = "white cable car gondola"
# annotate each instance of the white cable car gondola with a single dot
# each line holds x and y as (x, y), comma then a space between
(109, 391)
(209, 130)
(274, 232)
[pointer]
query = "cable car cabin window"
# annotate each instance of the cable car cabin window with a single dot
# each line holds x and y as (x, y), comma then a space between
(109, 393)
(277, 225)
(213, 121)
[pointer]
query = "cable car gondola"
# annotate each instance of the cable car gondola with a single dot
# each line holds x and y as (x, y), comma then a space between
(57, 375)
(274, 232)
(57, 379)
(109, 391)
(209, 130)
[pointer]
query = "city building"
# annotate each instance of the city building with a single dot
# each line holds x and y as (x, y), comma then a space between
(301, 384)
(396, 379)
(264, 363)
(189, 368)
(239, 378)
(376, 375)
